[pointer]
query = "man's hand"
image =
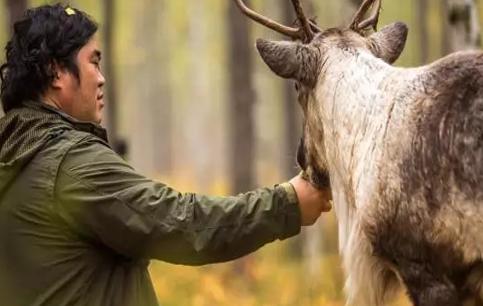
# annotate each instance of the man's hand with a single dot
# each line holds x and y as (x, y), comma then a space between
(312, 201)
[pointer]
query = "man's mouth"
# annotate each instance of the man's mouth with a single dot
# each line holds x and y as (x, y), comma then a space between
(100, 96)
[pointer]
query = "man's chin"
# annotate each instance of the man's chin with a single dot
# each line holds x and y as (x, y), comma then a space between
(99, 117)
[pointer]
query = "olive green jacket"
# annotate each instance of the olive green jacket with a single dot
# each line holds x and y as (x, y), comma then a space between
(78, 225)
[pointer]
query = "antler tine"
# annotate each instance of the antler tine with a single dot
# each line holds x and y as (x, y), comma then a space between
(315, 28)
(357, 24)
(289, 31)
(373, 19)
(305, 23)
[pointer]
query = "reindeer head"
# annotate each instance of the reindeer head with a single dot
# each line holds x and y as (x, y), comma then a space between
(304, 58)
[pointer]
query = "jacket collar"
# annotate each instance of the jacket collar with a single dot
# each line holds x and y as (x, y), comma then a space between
(83, 126)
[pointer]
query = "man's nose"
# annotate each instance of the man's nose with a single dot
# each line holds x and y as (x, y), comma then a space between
(101, 80)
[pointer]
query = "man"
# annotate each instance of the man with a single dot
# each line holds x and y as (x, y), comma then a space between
(78, 225)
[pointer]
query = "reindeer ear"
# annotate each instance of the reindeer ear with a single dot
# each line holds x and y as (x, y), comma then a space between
(290, 60)
(389, 42)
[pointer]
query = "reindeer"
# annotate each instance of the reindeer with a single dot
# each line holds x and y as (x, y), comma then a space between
(401, 150)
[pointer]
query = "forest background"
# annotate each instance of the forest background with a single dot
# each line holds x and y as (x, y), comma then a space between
(191, 104)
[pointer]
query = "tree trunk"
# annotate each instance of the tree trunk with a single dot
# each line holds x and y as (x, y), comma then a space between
(109, 7)
(461, 30)
(309, 244)
(152, 136)
(242, 101)
(241, 116)
(16, 9)
(422, 25)
(161, 104)
(292, 112)
(198, 125)
(293, 123)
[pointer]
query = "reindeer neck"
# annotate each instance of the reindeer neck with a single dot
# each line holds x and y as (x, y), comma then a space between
(353, 104)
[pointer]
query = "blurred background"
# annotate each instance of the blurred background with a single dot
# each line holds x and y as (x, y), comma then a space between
(191, 104)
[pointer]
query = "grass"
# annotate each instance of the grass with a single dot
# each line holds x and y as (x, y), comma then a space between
(270, 277)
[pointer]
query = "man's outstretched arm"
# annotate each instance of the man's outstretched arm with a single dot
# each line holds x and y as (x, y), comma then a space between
(104, 200)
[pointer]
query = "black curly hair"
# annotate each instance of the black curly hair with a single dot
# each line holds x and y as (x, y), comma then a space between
(47, 35)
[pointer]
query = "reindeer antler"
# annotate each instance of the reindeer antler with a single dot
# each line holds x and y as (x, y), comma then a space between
(358, 25)
(305, 32)
(304, 21)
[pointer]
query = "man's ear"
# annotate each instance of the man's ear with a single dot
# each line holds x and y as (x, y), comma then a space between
(291, 60)
(59, 74)
(389, 42)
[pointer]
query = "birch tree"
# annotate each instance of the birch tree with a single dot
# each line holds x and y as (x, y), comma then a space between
(242, 100)
(421, 8)
(151, 126)
(461, 30)
(309, 243)
(15, 8)
(109, 7)
(292, 115)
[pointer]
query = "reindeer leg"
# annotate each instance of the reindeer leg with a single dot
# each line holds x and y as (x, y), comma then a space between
(427, 288)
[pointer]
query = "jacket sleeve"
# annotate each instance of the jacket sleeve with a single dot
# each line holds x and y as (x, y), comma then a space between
(105, 201)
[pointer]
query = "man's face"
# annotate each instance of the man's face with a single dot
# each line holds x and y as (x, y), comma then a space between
(83, 98)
